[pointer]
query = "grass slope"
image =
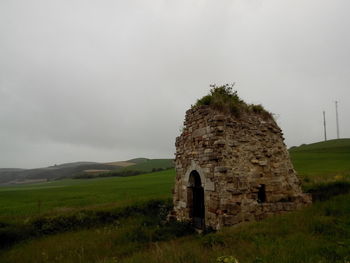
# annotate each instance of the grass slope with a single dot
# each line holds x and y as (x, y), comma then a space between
(148, 165)
(322, 161)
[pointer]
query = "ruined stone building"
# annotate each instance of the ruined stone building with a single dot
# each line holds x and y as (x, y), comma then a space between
(232, 169)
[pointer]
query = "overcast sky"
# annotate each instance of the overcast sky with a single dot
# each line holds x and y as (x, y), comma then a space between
(111, 80)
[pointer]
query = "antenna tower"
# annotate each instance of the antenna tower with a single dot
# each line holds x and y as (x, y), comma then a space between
(337, 118)
(324, 126)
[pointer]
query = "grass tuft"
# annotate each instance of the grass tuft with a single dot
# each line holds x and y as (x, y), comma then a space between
(224, 99)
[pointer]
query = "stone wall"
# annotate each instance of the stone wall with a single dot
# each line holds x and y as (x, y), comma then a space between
(235, 158)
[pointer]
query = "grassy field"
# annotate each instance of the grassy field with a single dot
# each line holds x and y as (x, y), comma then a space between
(320, 233)
(63, 195)
(320, 162)
(323, 161)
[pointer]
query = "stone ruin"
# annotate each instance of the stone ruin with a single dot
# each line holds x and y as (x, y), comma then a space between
(232, 169)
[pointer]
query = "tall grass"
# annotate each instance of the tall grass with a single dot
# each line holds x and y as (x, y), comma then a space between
(317, 234)
(124, 231)
(320, 233)
(52, 224)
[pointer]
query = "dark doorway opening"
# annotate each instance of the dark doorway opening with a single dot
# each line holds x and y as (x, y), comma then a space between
(196, 200)
(261, 194)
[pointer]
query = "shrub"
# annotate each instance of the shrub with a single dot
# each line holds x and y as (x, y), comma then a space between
(223, 98)
(11, 234)
(323, 192)
(206, 100)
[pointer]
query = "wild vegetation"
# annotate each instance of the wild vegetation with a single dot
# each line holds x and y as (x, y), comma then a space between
(223, 98)
(123, 231)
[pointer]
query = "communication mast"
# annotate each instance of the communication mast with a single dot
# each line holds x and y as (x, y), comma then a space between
(324, 126)
(337, 118)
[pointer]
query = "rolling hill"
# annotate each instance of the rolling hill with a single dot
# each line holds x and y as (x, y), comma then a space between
(69, 170)
(322, 159)
(149, 165)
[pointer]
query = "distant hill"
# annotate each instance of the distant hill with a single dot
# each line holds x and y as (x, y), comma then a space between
(9, 176)
(10, 169)
(142, 166)
(69, 170)
(121, 164)
(69, 165)
(138, 160)
(330, 158)
(148, 165)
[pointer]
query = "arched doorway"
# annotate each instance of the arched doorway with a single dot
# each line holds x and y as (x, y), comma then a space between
(195, 200)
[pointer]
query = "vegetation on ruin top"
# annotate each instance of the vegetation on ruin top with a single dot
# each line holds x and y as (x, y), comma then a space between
(224, 99)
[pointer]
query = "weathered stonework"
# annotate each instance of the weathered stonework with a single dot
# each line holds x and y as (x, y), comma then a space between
(242, 165)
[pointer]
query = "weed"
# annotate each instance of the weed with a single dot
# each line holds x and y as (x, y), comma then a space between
(213, 240)
(224, 99)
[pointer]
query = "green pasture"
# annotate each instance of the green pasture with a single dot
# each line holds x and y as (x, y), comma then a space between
(63, 195)
(323, 161)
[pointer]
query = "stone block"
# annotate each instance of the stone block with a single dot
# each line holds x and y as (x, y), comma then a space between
(220, 143)
(199, 132)
(182, 204)
(230, 220)
(233, 208)
(263, 162)
(209, 185)
(208, 151)
(220, 169)
(254, 161)
(219, 118)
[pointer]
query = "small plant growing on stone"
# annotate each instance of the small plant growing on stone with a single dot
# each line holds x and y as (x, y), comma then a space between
(225, 99)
